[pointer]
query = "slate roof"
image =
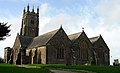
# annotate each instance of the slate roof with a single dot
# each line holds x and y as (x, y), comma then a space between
(42, 39)
(73, 37)
(25, 40)
(94, 39)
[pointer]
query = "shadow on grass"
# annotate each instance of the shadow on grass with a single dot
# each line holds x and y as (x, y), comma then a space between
(7, 68)
(97, 69)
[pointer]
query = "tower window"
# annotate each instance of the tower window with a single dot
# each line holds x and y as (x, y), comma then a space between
(32, 21)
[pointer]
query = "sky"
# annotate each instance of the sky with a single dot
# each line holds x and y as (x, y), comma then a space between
(95, 16)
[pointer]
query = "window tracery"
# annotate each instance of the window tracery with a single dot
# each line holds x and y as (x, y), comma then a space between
(83, 51)
(60, 53)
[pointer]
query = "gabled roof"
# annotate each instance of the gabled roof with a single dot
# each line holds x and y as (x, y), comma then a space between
(94, 39)
(97, 38)
(73, 37)
(42, 39)
(25, 40)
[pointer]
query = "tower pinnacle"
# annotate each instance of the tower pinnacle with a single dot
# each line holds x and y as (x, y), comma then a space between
(30, 23)
(33, 9)
(24, 10)
(28, 8)
(38, 10)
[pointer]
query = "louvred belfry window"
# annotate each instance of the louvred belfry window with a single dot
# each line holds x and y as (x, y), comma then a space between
(32, 21)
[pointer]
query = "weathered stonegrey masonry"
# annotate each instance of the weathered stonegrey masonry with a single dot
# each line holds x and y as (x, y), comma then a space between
(7, 53)
(54, 47)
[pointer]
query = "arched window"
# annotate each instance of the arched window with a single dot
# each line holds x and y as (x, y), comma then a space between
(83, 51)
(60, 53)
(100, 52)
(106, 57)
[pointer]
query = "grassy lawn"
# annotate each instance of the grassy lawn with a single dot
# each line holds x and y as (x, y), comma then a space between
(98, 69)
(8, 68)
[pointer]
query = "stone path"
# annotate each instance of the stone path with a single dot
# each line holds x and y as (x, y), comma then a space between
(69, 71)
(26, 66)
(54, 70)
(61, 71)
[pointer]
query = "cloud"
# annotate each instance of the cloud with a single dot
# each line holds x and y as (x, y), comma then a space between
(112, 39)
(15, 25)
(28, 1)
(43, 9)
(71, 23)
(110, 10)
(103, 20)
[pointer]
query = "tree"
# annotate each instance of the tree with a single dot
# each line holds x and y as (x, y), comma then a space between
(4, 30)
(1, 60)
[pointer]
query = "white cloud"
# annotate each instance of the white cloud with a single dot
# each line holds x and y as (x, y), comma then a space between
(28, 1)
(69, 22)
(15, 28)
(112, 39)
(105, 24)
(110, 10)
(43, 9)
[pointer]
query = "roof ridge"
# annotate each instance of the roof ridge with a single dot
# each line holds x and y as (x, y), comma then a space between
(74, 33)
(43, 39)
(94, 37)
(74, 36)
(46, 33)
(23, 41)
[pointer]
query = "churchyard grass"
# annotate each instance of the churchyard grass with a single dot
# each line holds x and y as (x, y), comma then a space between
(8, 68)
(97, 69)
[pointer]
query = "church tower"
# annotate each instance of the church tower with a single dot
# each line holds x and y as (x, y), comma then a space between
(30, 23)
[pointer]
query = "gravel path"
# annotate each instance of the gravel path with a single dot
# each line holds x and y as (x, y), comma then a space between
(54, 70)
(25, 66)
(61, 71)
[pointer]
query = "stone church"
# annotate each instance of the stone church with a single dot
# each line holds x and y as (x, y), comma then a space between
(54, 47)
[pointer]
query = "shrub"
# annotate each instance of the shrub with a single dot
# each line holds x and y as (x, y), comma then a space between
(1, 60)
